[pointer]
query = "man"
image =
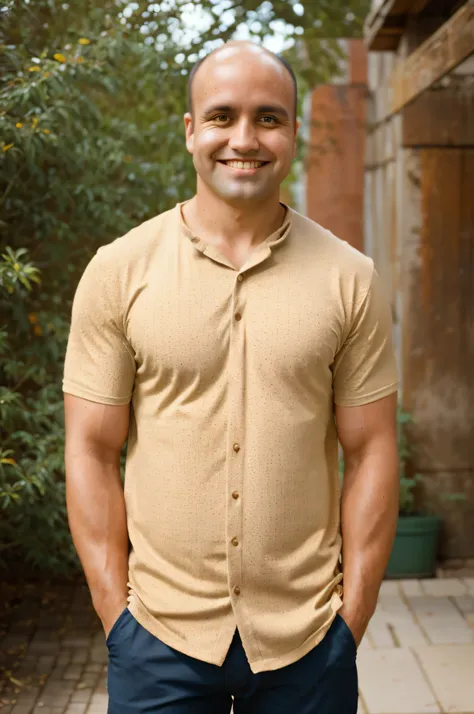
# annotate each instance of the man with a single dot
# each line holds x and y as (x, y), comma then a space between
(227, 338)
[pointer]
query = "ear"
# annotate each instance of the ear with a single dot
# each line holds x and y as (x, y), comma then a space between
(188, 125)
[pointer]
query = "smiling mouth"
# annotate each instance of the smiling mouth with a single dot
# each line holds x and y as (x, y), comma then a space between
(245, 165)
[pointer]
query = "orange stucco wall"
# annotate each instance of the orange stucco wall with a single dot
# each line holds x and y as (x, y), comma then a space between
(335, 168)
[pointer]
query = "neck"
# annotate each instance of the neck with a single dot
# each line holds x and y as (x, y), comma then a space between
(219, 221)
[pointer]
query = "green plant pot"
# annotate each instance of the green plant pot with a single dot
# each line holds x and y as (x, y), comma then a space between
(414, 550)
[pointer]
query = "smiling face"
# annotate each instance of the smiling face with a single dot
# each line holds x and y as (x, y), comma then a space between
(242, 132)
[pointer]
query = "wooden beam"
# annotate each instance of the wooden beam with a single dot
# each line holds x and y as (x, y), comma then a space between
(418, 6)
(437, 56)
(384, 24)
(441, 117)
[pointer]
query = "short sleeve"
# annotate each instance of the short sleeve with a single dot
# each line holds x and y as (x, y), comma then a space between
(99, 363)
(364, 369)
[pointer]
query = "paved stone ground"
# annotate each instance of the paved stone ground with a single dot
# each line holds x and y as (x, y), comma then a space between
(417, 656)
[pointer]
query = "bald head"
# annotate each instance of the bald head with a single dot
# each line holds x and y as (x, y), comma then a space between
(243, 50)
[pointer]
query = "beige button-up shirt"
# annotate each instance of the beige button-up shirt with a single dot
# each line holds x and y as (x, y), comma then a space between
(231, 485)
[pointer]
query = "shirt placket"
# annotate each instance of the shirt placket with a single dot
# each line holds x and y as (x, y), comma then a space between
(236, 441)
(236, 449)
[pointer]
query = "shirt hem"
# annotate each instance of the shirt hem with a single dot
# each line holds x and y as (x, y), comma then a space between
(155, 628)
(368, 398)
(92, 397)
(272, 663)
(261, 665)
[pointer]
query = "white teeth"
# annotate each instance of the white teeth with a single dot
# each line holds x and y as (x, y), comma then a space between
(244, 164)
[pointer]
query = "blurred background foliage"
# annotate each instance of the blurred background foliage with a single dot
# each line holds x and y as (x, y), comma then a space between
(92, 143)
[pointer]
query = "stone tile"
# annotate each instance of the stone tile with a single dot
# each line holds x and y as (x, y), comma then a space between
(73, 672)
(411, 588)
(379, 632)
(389, 587)
(98, 639)
(77, 708)
(399, 621)
(366, 644)
(443, 587)
(43, 647)
(54, 686)
(98, 704)
(64, 658)
(57, 673)
(80, 656)
(28, 666)
(27, 694)
(59, 699)
(450, 670)
(392, 682)
(469, 582)
(89, 679)
(101, 688)
(81, 696)
(7, 708)
(441, 620)
(13, 640)
(93, 667)
(99, 655)
(360, 707)
(76, 641)
(464, 603)
(45, 664)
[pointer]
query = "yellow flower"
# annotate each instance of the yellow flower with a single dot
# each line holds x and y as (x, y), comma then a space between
(38, 331)
(32, 318)
(34, 69)
(84, 41)
(58, 56)
(16, 267)
(46, 74)
(8, 461)
(5, 147)
(10, 289)
(46, 131)
(35, 121)
(79, 60)
(18, 125)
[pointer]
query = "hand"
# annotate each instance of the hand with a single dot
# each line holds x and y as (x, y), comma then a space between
(356, 621)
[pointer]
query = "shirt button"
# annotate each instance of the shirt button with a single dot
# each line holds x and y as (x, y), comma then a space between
(235, 541)
(237, 590)
(236, 448)
(235, 495)
(240, 278)
(238, 316)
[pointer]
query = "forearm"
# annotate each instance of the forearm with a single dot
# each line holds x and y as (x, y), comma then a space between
(369, 519)
(97, 518)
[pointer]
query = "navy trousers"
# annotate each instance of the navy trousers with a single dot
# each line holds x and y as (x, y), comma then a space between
(146, 676)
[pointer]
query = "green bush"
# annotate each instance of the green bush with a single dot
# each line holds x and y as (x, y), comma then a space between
(91, 108)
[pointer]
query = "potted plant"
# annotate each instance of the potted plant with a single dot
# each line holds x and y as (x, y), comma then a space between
(416, 541)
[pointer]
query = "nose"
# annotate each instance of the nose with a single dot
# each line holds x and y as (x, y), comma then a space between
(244, 137)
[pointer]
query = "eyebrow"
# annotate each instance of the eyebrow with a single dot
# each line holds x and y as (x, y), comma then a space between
(263, 109)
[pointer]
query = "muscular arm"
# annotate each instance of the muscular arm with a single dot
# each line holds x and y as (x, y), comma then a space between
(95, 434)
(369, 504)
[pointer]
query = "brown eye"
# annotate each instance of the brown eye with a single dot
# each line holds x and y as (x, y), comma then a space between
(269, 120)
(221, 118)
